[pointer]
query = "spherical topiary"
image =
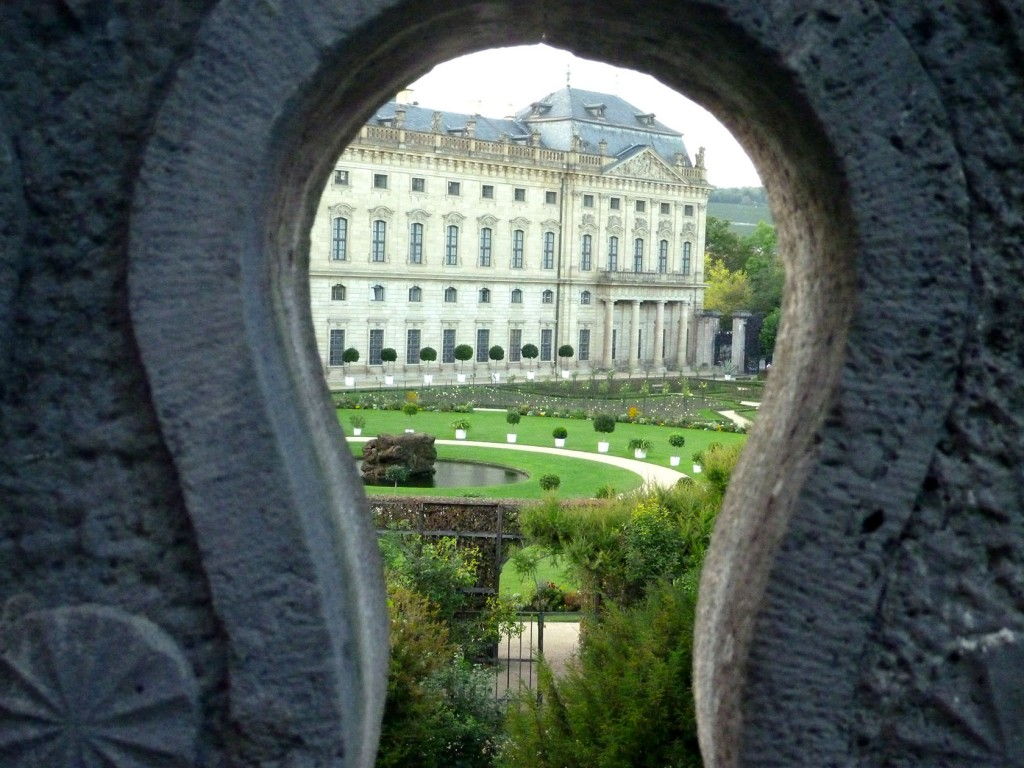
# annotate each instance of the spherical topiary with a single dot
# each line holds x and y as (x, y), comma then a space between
(604, 422)
(677, 440)
(560, 433)
(550, 482)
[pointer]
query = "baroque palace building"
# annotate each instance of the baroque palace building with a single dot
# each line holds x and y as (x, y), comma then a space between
(578, 222)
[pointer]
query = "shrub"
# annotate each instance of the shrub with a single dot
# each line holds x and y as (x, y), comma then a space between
(357, 421)
(550, 482)
(560, 433)
(410, 409)
(461, 424)
(428, 354)
(566, 350)
(606, 491)
(396, 474)
(388, 355)
(463, 352)
(604, 422)
(512, 416)
(677, 440)
(529, 351)
(496, 353)
(350, 355)
(639, 444)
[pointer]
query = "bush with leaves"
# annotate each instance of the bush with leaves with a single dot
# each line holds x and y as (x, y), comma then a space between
(604, 422)
(549, 482)
(560, 433)
(677, 440)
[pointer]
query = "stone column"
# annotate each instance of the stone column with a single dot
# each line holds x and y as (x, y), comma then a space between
(739, 340)
(684, 326)
(609, 325)
(634, 333)
(707, 328)
(659, 331)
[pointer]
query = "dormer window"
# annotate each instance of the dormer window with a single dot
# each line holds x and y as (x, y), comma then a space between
(539, 108)
(388, 121)
(595, 110)
(646, 119)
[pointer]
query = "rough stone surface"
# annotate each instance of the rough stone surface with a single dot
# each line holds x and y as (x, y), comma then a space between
(415, 452)
(167, 445)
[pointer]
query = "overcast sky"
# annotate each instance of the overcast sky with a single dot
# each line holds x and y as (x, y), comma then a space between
(499, 81)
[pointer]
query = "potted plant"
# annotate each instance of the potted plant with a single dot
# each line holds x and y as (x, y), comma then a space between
(559, 433)
(676, 441)
(564, 353)
(350, 355)
(461, 427)
(388, 355)
(530, 352)
(512, 417)
(428, 355)
(604, 423)
(639, 446)
(549, 482)
(462, 352)
(410, 410)
(357, 422)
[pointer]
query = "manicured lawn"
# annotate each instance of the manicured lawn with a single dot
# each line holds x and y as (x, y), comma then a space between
(490, 426)
(580, 478)
(511, 583)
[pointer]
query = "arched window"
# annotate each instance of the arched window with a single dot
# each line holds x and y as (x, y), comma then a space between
(338, 292)
(451, 295)
(379, 240)
(663, 257)
(415, 293)
(485, 296)
(548, 297)
(613, 254)
(517, 249)
(638, 255)
(585, 297)
(517, 296)
(378, 293)
(339, 239)
(684, 267)
(485, 247)
(549, 250)
(585, 251)
(415, 243)
(451, 246)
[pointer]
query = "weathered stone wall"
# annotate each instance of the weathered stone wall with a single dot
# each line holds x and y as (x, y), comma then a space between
(167, 447)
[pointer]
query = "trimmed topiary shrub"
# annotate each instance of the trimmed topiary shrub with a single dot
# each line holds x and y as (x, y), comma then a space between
(550, 482)
(559, 433)
(677, 440)
(604, 422)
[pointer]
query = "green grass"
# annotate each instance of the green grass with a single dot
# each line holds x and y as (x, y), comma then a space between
(490, 426)
(579, 477)
(513, 583)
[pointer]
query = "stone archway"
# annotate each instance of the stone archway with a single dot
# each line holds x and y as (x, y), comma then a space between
(838, 556)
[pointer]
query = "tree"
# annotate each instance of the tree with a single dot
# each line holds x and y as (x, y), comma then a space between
(463, 352)
(728, 290)
(350, 355)
(769, 330)
(428, 354)
(721, 243)
(529, 352)
(496, 353)
(388, 355)
(764, 269)
(565, 352)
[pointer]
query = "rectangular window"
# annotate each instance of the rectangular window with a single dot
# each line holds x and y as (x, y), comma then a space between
(613, 203)
(487, 191)
(666, 209)
(380, 234)
(663, 257)
(419, 184)
(588, 201)
(517, 249)
(451, 246)
(550, 198)
(376, 345)
(638, 255)
(453, 188)
(688, 210)
(485, 247)
(613, 254)
(586, 248)
(641, 206)
(341, 178)
(415, 243)
(545, 344)
(448, 345)
(412, 346)
(339, 239)
(519, 194)
(483, 341)
(380, 181)
(549, 250)
(335, 355)
(515, 345)
(583, 348)
(684, 267)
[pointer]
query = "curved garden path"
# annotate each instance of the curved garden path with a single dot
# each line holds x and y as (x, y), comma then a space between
(651, 473)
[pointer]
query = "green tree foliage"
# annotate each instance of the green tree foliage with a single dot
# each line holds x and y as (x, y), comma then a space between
(769, 330)
(728, 290)
(549, 482)
(764, 269)
(724, 245)
(428, 354)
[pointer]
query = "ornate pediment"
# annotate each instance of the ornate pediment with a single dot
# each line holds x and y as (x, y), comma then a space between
(640, 224)
(340, 209)
(453, 217)
(614, 225)
(418, 214)
(644, 165)
(689, 229)
(551, 224)
(519, 223)
(665, 229)
(587, 221)
(487, 220)
(381, 212)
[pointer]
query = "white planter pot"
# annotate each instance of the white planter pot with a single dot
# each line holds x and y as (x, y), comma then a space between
(428, 378)
(389, 381)
(357, 431)
(639, 453)
(409, 431)
(566, 374)
(350, 381)
(559, 442)
(531, 375)
(673, 461)
(696, 469)
(461, 378)
(496, 377)
(460, 434)
(602, 446)
(728, 377)
(511, 438)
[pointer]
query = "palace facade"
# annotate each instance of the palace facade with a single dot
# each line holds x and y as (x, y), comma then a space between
(578, 222)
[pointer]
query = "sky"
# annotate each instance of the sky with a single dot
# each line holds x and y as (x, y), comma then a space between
(500, 81)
